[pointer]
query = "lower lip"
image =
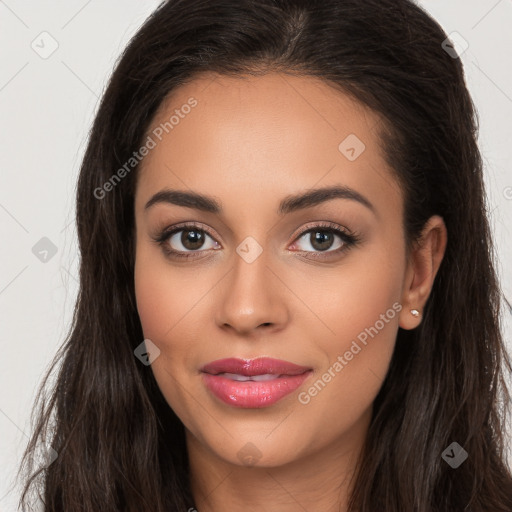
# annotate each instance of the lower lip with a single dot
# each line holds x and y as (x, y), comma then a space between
(252, 394)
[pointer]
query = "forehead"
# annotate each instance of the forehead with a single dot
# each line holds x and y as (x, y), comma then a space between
(262, 136)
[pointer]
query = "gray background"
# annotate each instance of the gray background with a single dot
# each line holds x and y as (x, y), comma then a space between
(46, 108)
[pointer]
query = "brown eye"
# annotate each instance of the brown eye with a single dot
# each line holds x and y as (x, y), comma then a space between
(192, 239)
(322, 240)
(325, 240)
(189, 239)
(186, 241)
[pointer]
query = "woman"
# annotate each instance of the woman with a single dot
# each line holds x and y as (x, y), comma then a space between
(287, 294)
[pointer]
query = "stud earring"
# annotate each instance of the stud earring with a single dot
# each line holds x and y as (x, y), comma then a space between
(415, 312)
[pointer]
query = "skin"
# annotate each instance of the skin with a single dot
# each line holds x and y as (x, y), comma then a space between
(250, 142)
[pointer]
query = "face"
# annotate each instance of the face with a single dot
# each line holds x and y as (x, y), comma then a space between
(257, 274)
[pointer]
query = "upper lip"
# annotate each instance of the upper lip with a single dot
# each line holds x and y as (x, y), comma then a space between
(251, 367)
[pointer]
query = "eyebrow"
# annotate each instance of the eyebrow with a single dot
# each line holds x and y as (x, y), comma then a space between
(289, 204)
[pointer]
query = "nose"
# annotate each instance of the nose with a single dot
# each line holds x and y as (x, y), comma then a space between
(252, 298)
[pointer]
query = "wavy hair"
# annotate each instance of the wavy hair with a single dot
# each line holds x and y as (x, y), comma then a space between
(119, 444)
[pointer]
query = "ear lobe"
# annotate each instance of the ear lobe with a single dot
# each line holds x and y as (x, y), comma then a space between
(424, 261)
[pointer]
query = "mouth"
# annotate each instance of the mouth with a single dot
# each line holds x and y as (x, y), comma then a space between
(254, 378)
(260, 367)
(253, 383)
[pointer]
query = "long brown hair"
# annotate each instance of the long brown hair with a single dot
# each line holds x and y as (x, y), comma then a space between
(119, 444)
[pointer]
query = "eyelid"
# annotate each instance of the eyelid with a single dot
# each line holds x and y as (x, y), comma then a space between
(165, 233)
(322, 225)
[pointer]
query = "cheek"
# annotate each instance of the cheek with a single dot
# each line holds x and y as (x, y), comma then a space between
(361, 309)
(351, 298)
(155, 301)
(163, 296)
(171, 304)
(166, 310)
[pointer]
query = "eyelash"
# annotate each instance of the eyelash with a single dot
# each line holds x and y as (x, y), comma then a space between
(349, 239)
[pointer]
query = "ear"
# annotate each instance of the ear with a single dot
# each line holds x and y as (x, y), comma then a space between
(422, 266)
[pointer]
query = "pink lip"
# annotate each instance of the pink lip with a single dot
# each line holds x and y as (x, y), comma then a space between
(250, 367)
(253, 394)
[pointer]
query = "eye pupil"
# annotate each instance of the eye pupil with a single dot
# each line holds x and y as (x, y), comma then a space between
(319, 239)
(192, 239)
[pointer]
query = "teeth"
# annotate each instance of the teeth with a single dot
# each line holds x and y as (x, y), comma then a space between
(243, 378)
